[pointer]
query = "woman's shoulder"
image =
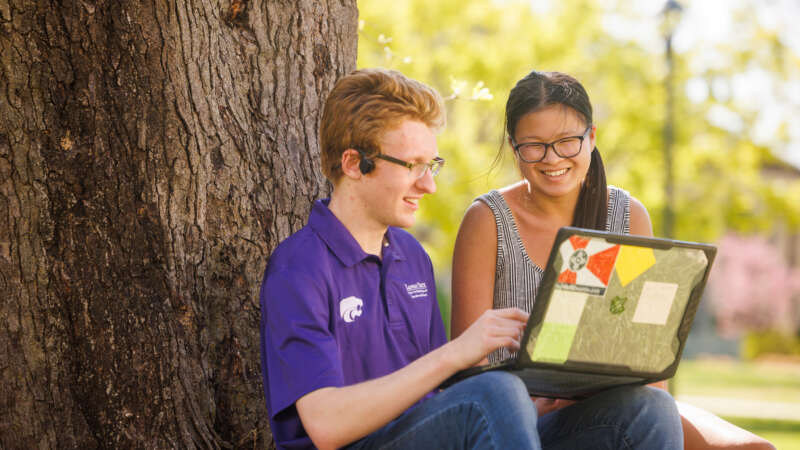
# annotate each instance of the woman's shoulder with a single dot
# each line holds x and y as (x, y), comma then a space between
(508, 195)
(639, 222)
(622, 204)
(479, 213)
(496, 200)
(512, 189)
(488, 210)
(617, 191)
(620, 195)
(477, 233)
(640, 219)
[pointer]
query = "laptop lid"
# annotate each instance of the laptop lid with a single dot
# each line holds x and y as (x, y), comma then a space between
(615, 304)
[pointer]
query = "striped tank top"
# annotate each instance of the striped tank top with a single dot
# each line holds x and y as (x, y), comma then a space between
(517, 278)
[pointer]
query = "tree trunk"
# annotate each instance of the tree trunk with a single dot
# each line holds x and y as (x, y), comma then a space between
(152, 154)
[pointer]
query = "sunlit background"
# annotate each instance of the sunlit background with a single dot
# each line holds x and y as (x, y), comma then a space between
(705, 134)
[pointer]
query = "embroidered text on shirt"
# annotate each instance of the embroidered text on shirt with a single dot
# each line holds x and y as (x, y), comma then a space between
(416, 290)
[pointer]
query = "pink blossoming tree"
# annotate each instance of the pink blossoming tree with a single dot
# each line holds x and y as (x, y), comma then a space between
(752, 287)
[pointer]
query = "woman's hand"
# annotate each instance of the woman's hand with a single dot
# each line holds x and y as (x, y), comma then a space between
(545, 405)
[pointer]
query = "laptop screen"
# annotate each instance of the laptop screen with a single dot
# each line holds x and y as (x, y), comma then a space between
(615, 304)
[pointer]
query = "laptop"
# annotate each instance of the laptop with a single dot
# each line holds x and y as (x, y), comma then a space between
(611, 310)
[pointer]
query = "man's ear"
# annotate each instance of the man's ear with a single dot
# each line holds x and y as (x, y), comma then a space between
(350, 160)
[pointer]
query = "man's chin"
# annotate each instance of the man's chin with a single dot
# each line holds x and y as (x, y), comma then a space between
(405, 222)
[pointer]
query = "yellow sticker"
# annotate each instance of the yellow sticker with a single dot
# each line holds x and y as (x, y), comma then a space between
(632, 262)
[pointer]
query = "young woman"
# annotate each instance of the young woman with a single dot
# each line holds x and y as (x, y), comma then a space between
(506, 235)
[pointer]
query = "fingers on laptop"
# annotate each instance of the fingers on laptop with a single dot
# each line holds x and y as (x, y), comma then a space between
(513, 313)
(504, 327)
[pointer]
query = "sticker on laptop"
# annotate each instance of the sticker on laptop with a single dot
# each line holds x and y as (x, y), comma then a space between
(560, 325)
(586, 264)
(633, 261)
(617, 305)
(655, 303)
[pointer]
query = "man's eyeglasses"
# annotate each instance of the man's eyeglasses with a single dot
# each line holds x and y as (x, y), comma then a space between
(568, 147)
(417, 170)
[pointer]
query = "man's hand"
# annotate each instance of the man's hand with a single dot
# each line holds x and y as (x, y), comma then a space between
(494, 329)
(336, 416)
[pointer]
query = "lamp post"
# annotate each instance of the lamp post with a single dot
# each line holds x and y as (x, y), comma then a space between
(670, 16)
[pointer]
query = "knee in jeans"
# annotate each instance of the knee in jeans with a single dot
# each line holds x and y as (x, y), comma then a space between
(657, 401)
(659, 397)
(502, 387)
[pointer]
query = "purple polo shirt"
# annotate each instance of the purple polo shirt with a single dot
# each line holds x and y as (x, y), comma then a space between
(333, 315)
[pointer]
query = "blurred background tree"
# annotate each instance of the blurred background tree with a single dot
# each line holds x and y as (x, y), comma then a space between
(736, 80)
(761, 273)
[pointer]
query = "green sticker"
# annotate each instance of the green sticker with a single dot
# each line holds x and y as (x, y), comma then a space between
(554, 342)
(618, 305)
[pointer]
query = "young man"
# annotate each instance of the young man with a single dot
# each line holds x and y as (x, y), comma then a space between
(353, 345)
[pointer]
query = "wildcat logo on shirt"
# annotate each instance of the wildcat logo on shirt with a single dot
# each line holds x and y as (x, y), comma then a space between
(350, 308)
(417, 290)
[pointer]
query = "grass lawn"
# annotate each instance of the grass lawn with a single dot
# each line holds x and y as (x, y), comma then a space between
(770, 381)
(784, 435)
(766, 381)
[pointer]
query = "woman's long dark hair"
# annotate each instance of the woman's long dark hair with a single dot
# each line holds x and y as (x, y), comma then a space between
(540, 89)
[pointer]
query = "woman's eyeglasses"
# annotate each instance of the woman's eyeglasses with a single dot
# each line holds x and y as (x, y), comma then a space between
(567, 147)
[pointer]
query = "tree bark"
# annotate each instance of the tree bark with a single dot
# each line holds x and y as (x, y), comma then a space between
(152, 154)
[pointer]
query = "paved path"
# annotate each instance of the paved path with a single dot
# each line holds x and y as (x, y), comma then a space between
(737, 407)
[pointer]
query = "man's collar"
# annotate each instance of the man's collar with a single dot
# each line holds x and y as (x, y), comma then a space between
(341, 242)
(391, 246)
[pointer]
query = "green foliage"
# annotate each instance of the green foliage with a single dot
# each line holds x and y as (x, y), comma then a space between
(491, 44)
(763, 343)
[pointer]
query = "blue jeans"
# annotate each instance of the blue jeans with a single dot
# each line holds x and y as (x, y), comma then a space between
(628, 417)
(493, 411)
